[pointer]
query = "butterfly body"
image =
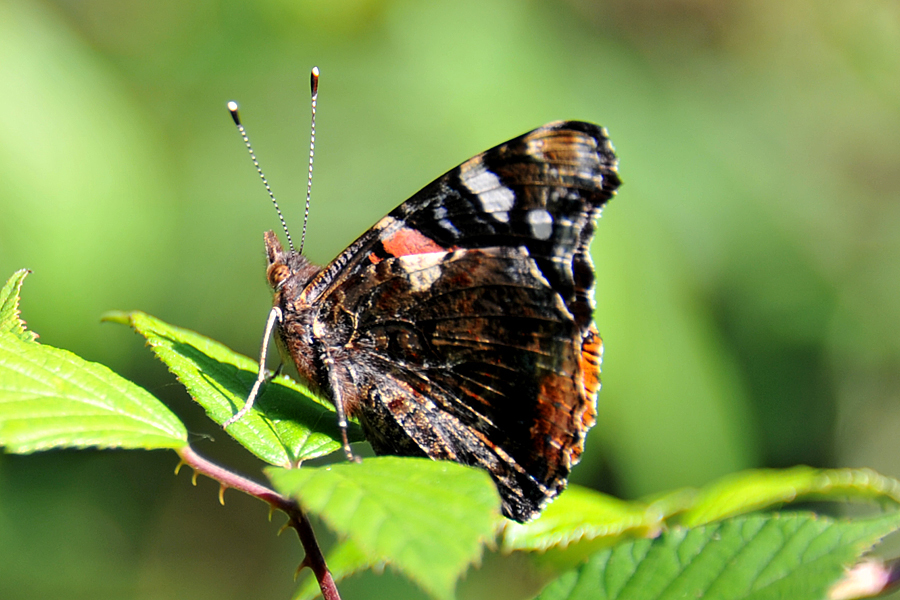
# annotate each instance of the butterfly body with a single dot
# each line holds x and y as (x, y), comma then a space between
(460, 326)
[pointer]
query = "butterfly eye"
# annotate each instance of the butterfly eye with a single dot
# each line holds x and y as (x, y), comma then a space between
(276, 274)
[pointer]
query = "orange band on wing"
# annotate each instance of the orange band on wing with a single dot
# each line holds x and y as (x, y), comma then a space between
(408, 241)
(591, 354)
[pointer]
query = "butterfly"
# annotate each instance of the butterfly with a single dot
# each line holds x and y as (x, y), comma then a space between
(460, 326)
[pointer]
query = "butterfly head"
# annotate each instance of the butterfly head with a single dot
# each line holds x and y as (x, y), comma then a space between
(286, 268)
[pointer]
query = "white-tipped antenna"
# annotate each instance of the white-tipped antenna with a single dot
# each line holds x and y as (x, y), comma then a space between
(314, 89)
(233, 109)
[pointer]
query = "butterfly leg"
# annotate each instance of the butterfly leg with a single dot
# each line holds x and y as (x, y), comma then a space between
(338, 398)
(275, 317)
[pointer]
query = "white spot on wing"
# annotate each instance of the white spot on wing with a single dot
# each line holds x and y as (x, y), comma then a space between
(496, 199)
(420, 281)
(446, 224)
(423, 269)
(440, 215)
(541, 223)
(497, 202)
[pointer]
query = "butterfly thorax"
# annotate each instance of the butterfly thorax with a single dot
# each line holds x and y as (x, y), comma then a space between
(288, 274)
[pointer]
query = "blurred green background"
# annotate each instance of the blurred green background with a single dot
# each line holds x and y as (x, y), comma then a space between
(748, 272)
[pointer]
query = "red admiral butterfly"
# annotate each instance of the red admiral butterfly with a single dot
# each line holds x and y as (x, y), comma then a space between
(460, 326)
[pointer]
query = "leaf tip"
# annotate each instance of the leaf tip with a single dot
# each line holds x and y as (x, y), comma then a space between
(117, 316)
(10, 320)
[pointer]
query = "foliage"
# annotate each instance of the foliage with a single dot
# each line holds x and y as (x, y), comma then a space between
(431, 521)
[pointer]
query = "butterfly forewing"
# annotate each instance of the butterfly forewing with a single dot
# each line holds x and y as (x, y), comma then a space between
(460, 326)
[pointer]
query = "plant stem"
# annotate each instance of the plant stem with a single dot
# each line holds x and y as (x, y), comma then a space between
(296, 519)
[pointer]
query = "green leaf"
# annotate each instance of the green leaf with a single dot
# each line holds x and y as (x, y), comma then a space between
(429, 519)
(287, 425)
(748, 491)
(9, 308)
(582, 514)
(344, 559)
(581, 521)
(757, 557)
(51, 398)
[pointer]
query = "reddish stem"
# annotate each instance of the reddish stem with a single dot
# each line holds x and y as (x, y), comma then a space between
(296, 519)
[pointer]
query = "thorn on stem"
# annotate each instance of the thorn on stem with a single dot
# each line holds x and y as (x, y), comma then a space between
(303, 565)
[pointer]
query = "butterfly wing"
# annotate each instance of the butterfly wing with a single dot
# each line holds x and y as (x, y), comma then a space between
(460, 326)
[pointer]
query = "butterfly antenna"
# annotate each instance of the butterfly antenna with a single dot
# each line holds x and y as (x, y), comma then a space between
(233, 109)
(314, 89)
